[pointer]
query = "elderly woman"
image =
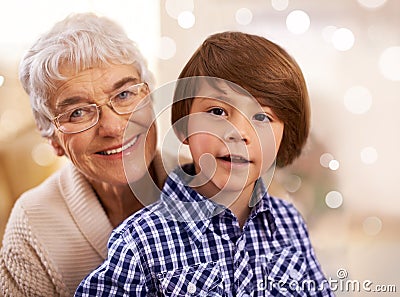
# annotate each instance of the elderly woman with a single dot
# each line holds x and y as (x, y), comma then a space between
(88, 85)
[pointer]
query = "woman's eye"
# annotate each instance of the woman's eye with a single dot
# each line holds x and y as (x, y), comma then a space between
(76, 113)
(124, 95)
(262, 117)
(217, 111)
(79, 114)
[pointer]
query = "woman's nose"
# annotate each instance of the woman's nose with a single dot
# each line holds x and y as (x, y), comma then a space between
(111, 123)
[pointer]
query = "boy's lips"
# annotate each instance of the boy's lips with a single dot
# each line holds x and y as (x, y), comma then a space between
(119, 149)
(234, 159)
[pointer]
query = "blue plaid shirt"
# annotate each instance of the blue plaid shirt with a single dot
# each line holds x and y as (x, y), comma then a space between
(187, 245)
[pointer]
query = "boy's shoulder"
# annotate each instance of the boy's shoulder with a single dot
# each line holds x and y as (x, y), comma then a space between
(283, 209)
(145, 223)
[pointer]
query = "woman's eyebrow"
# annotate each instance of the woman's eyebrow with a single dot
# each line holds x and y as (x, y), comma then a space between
(124, 81)
(77, 99)
(69, 101)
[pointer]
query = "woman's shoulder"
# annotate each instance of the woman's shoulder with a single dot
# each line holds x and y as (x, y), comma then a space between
(48, 191)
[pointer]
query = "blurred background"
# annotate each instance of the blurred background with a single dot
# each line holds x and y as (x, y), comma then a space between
(345, 184)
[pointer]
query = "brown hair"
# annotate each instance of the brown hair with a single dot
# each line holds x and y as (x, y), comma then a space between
(266, 71)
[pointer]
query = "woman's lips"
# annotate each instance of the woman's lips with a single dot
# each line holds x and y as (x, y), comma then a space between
(120, 149)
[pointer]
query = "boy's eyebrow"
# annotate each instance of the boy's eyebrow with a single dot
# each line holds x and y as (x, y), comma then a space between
(214, 97)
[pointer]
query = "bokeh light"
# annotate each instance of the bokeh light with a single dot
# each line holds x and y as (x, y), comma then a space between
(280, 5)
(1, 80)
(369, 155)
(175, 7)
(298, 22)
(325, 159)
(389, 63)
(327, 33)
(358, 99)
(244, 16)
(186, 19)
(371, 4)
(334, 165)
(43, 154)
(372, 225)
(292, 183)
(167, 48)
(334, 199)
(343, 39)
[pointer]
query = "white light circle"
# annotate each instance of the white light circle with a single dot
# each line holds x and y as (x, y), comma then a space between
(334, 165)
(175, 7)
(244, 16)
(334, 199)
(357, 100)
(327, 33)
(389, 63)
(186, 19)
(371, 4)
(43, 154)
(369, 155)
(280, 5)
(343, 39)
(372, 225)
(1, 80)
(298, 22)
(292, 183)
(325, 159)
(167, 48)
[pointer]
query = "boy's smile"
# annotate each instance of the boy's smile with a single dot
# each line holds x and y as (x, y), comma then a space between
(233, 140)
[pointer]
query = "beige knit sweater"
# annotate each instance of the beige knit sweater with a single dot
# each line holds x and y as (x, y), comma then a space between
(56, 234)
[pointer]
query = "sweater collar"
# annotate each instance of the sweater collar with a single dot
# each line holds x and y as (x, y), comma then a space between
(85, 208)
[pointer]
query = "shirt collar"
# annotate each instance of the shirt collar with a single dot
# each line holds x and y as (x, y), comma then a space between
(181, 203)
(261, 203)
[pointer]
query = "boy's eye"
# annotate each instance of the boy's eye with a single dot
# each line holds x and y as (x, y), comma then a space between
(262, 117)
(217, 111)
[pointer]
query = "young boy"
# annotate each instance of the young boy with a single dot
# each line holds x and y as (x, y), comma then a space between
(241, 105)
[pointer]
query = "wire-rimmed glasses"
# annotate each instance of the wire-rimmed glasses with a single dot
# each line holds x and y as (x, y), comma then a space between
(83, 117)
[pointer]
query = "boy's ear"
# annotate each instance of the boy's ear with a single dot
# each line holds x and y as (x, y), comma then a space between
(59, 150)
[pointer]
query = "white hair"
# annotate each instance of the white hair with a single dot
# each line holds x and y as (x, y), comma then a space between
(80, 41)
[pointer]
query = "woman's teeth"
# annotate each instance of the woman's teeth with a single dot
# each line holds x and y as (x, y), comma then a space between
(120, 149)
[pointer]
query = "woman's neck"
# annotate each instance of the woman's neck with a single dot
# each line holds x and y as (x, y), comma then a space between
(121, 201)
(118, 202)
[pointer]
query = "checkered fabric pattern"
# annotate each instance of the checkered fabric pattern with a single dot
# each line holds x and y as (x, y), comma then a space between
(187, 245)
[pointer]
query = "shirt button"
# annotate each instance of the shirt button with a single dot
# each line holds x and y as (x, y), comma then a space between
(191, 288)
(294, 274)
(241, 245)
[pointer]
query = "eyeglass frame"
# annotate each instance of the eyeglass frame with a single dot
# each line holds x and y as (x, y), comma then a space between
(55, 120)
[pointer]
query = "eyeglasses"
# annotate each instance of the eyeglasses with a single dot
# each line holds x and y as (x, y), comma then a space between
(84, 117)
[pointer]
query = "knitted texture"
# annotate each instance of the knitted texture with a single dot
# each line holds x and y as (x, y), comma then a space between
(57, 233)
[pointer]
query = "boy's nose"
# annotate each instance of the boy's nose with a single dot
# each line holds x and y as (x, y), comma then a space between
(237, 131)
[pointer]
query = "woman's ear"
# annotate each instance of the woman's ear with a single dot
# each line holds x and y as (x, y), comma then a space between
(59, 150)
